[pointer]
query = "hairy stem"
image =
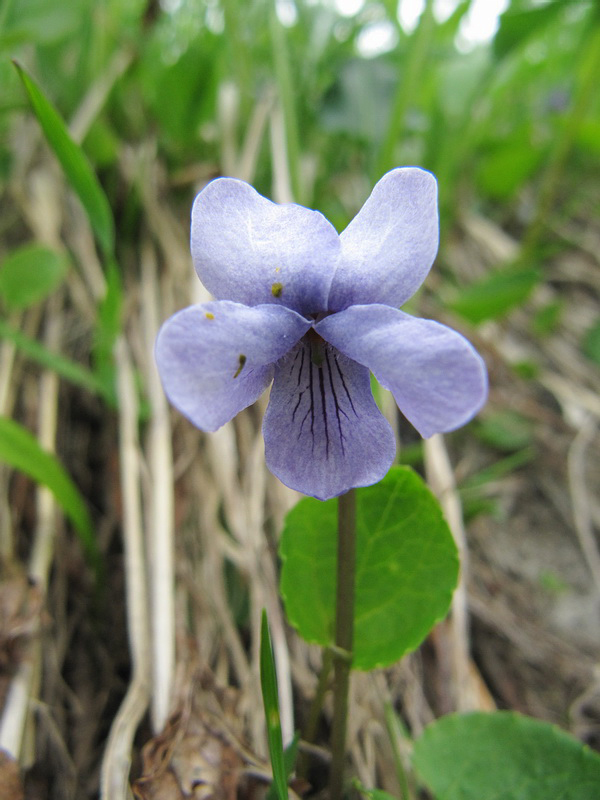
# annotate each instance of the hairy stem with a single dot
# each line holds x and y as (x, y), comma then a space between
(344, 635)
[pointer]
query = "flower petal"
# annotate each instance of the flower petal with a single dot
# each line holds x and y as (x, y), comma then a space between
(389, 247)
(323, 431)
(217, 358)
(437, 378)
(248, 249)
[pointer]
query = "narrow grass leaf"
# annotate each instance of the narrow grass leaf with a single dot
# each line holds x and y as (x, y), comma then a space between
(29, 274)
(518, 25)
(504, 756)
(268, 681)
(504, 171)
(372, 794)
(21, 450)
(108, 328)
(406, 568)
(506, 430)
(496, 294)
(500, 468)
(73, 161)
(67, 369)
(42, 23)
(590, 345)
(290, 754)
(546, 319)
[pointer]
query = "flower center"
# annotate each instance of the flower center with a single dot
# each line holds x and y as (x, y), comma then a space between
(320, 401)
(317, 347)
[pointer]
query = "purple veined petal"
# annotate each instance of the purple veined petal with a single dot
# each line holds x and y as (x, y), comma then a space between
(217, 358)
(437, 378)
(389, 247)
(323, 431)
(247, 249)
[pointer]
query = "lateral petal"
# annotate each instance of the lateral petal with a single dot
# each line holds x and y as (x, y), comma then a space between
(390, 245)
(247, 249)
(437, 378)
(323, 431)
(217, 358)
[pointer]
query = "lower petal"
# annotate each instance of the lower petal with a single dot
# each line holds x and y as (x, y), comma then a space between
(323, 431)
(437, 378)
(217, 358)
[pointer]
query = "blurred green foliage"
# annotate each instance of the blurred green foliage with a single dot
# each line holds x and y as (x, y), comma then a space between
(591, 342)
(29, 274)
(509, 125)
(484, 120)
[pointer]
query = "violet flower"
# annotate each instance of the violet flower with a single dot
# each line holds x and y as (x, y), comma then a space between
(315, 312)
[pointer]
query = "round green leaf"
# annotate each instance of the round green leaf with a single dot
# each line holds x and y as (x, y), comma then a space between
(30, 274)
(505, 756)
(406, 568)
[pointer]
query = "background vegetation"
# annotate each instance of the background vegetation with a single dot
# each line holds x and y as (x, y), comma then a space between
(124, 601)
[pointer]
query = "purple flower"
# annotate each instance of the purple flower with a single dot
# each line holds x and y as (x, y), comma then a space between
(315, 312)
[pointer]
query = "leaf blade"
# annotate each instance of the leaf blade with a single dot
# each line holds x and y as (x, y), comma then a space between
(504, 756)
(67, 369)
(29, 274)
(268, 681)
(73, 161)
(21, 450)
(496, 294)
(405, 554)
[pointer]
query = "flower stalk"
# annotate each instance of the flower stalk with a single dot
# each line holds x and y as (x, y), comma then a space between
(344, 638)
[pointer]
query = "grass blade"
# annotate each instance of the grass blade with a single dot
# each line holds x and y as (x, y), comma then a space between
(75, 164)
(268, 681)
(290, 755)
(21, 450)
(108, 328)
(67, 369)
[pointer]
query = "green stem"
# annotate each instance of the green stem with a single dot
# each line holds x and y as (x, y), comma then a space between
(344, 637)
(312, 723)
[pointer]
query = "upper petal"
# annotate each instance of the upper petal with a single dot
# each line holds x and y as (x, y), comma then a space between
(437, 378)
(323, 431)
(248, 249)
(216, 358)
(389, 247)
